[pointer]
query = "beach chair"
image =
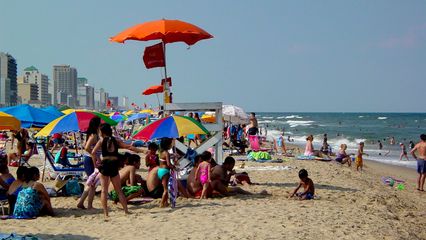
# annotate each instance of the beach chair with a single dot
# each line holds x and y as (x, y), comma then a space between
(60, 172)
(3, 204)
(255, 144)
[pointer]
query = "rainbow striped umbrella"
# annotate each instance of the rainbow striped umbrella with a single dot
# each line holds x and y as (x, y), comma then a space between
(73, 122)
(171, 127)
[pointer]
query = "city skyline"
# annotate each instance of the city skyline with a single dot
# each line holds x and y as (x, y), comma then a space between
(283, 56)
(36, 88)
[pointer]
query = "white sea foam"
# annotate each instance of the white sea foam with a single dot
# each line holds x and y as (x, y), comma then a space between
(281, 117)
(352, 144)
(293, 116)
(265, 121)
(360, 116)
(267, 117)
(382, 118)
(296, 123)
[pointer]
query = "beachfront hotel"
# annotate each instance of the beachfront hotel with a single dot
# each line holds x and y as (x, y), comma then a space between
(65, 85)
(8, 84)
(31, 76)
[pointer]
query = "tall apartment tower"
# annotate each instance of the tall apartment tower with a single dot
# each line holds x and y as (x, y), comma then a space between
(65, 84)
(33, 76)
(8, 84)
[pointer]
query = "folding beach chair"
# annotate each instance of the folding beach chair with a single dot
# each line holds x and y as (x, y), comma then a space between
(60, 172)
(4, 203)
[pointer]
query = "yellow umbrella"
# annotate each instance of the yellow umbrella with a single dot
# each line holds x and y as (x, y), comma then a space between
(9, 122)
(208, 118)
(68, 111)
(130, 112)
(150, 111)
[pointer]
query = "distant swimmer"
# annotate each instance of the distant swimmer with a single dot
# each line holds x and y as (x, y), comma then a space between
(411, 145)
(392, 141)
(403, 152)
(380, 145)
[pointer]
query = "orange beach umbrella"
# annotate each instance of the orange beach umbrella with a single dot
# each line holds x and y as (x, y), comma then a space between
(168, 31)
(153, 89)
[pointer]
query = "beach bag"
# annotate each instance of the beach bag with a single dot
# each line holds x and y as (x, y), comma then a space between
(28, 204)
(72, 188)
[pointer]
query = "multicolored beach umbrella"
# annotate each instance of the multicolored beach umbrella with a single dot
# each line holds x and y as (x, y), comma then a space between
(9, 122)
(171, 127)
(73, 122)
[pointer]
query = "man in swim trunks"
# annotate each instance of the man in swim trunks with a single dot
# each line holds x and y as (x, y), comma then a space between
(253, 126)
(421, 161)
(154, 187)
(220, 178)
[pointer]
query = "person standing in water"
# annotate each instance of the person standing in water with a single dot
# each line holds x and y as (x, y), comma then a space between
(420, 148)
(403, 152)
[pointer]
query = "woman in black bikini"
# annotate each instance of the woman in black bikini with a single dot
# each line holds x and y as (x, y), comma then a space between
(110, 165)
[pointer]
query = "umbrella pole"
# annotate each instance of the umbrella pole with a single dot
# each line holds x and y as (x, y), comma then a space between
(158, 99)
(76, 145)
(44, 166)
(166, 84)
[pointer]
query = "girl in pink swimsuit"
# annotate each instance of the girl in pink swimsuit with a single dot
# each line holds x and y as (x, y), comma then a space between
(202, 174)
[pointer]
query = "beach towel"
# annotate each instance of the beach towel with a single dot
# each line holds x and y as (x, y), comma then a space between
(269, 161)
(14, 236)
(267, 168)
(172, 188)
(253, 156)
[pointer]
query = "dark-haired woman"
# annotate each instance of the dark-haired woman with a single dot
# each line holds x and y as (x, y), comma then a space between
(33, 200)
(110, 165)
(91, 161)
(16, 187)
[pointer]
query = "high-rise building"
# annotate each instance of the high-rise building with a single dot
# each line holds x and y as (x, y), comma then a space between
(86, 96)
(125, 102)
(65, 81)
(28, 93)
(81, 81)
(33, 76)
(8, 84)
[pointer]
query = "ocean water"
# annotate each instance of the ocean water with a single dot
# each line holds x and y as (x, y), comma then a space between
(350, 128)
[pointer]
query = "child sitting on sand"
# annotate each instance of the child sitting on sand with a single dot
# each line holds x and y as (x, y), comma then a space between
(342, 157)
(358, 161)
(308, 186)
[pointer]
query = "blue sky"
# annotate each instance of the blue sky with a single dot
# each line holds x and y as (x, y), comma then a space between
(266, 55)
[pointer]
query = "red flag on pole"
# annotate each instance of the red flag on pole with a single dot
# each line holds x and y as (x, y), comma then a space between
(169, 81)
(153, 56)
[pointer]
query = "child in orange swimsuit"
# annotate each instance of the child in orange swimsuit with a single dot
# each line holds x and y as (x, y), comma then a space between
(358, 161)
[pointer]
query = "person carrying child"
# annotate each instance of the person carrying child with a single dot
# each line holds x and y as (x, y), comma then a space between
(202, 174)
(308, 187)
(359, 161)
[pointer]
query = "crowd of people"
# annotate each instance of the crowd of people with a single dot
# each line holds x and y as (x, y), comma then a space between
(117, 174)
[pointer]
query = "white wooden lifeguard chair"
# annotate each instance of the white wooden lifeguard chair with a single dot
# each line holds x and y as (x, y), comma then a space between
(215, 140)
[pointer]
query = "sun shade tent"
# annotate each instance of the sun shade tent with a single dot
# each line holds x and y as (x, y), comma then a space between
(30, 116)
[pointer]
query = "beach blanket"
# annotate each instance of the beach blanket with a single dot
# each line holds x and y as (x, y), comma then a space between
(253, 156)
(304, 157)
(267, 168)
(14, 236)
(269, 161)
(391, 181)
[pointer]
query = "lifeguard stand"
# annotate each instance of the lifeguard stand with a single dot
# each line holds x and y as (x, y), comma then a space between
(215, 129)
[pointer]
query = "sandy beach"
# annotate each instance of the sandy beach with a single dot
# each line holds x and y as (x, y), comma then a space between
(350, 205)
